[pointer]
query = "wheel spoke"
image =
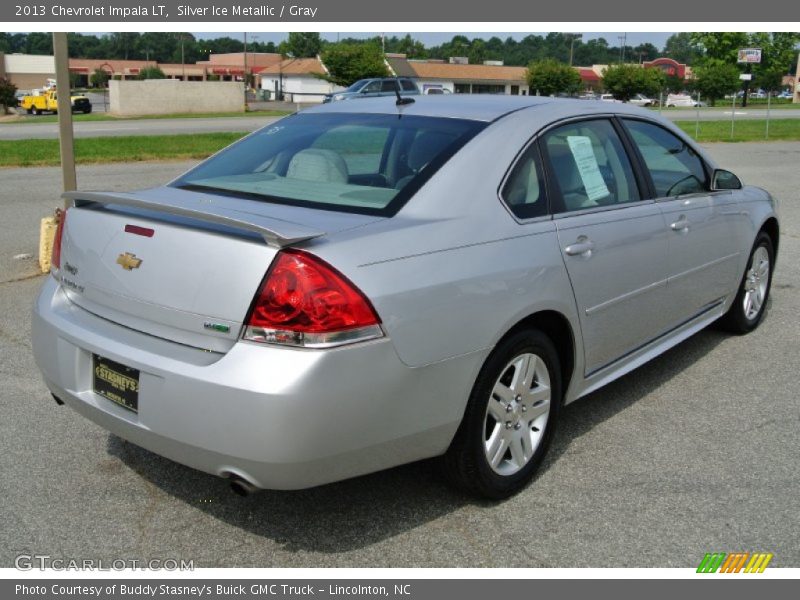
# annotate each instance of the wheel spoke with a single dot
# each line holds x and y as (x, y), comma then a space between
(537, 410)
(517, 447)
(538, 394)
(531, 365)
(497, 409)
(503, 393)
(497, 446)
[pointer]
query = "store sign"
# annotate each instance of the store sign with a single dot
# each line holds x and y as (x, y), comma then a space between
(749, 55)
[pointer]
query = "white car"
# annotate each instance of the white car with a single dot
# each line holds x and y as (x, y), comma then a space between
(608, 98)
(681, 100)
(642, 100)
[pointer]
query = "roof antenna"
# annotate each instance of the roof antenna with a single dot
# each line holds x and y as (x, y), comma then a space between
(400, 99)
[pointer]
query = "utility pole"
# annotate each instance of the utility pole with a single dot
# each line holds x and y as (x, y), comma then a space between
(183, 61)
(65, 134)
(573, 37)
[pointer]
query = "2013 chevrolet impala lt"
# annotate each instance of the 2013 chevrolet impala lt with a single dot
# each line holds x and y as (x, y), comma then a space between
(370, 283)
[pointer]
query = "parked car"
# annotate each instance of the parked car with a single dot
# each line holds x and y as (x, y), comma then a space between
(370, 88)
(682, 100)
(437, 91)
(642, 100)
(608, 98)
(356, 286)
(785, 95)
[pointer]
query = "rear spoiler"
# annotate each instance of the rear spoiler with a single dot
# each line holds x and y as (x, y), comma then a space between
(275, 232)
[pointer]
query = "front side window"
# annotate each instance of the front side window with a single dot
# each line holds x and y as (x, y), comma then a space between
(590, 166)
(365, 163)
(408, 85)
(372, 87)
(673, 165)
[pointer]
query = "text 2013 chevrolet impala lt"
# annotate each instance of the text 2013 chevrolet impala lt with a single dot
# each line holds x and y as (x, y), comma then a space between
(370, 283)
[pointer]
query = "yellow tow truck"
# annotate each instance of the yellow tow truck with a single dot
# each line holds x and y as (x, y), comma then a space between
(47, 101)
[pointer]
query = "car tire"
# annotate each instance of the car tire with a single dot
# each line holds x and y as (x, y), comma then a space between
(509, 420)
(750, 305)
(34, 111)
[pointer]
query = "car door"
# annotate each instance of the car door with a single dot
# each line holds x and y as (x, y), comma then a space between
(373, 88)
(704, 244)
(612, 240)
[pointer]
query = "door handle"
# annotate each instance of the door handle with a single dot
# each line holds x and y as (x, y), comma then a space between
(582, 247)
(681, 225)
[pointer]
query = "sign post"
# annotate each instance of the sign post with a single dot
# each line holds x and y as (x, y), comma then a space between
(748, 56)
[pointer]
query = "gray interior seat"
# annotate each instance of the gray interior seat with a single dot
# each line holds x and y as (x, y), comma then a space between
(317, 164)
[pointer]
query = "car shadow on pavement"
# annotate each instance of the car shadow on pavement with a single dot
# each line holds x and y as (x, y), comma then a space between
(363, 511)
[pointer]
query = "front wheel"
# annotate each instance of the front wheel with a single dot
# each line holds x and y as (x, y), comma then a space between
(509, 420)
(750, 305)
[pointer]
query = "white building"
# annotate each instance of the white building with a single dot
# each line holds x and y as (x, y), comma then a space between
(298, 79)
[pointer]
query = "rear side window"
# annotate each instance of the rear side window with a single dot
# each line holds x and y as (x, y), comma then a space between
(408, 85)
(365, 163)
(674, 167)
(590, 166)
(388, 85)
(523, 191)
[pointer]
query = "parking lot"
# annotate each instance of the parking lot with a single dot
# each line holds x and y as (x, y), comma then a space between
(695, 452)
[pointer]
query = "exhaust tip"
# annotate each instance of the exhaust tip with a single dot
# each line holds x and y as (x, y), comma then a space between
(242, 487)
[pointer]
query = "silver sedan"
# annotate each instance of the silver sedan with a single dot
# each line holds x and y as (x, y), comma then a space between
(367, 284)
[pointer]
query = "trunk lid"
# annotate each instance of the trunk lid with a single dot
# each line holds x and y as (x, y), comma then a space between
(183, 266)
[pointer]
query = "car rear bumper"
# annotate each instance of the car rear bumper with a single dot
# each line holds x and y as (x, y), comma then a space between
(279, 418)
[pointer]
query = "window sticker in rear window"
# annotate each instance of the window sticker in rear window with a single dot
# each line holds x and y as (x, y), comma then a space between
(588, 168)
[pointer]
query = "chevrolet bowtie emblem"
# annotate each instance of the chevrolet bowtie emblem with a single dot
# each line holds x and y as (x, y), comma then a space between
(128, 261)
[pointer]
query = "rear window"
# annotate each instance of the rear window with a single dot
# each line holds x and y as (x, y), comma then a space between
(368, 164)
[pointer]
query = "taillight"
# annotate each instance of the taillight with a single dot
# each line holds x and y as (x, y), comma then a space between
(55, 257)
(303, 301)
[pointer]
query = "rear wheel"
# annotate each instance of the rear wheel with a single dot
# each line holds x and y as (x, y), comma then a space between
(34, 111)
(750, 304)
(509, 420)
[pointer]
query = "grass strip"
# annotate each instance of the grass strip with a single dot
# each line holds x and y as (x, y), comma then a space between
(30, 153)
(41, 119)
(745, 130)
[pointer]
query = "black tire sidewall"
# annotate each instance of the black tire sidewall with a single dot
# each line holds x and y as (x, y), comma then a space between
(490, 483)
(739, 319)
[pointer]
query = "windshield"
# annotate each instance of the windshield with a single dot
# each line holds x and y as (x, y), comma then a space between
(369, 164)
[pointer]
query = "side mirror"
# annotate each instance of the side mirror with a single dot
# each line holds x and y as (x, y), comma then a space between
(724, 180)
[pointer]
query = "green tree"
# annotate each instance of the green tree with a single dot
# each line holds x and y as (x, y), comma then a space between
(625, 81)
(99, 78)
(722, 45)
(7, 91)
(302, 45)
(549, 77)
(681, 48)
(715, 78)
(151, 73)
(347, 63)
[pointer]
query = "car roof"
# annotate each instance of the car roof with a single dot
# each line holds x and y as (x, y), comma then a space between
(474, 107)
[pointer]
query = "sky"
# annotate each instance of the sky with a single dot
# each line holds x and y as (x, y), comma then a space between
(435, 38)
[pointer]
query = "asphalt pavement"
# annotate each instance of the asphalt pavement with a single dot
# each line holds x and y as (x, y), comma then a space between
(695, 452)
(30, 129)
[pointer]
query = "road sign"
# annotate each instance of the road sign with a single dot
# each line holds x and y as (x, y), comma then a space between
(746, 76)
(749, 55)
